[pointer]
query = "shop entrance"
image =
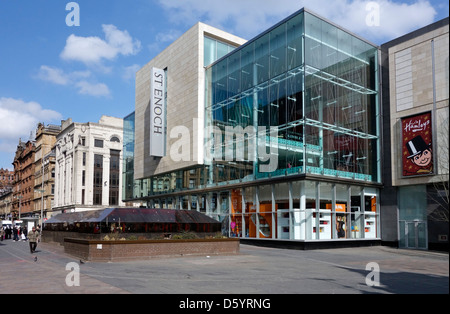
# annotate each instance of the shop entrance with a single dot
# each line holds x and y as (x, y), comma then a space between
(413, 234)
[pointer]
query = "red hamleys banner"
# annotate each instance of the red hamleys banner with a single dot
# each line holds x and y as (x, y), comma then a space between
(417, 151)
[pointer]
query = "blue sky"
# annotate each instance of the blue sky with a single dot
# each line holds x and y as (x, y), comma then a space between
(50, 71)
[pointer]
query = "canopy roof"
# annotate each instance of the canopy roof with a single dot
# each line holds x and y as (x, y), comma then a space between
(133, 215)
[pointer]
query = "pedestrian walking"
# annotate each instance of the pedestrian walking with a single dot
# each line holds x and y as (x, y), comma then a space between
(25, 232)
(33, 237)
(15, 234)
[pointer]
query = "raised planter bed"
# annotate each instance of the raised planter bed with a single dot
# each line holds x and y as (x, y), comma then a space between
(123, 250)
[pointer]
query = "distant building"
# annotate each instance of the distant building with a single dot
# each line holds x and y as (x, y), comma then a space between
(44, 166)
(23, 188)
(6, 180)
(5, 205)
(88, 165)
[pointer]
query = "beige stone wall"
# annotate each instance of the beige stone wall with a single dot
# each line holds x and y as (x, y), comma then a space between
(411, 92)
(185, 102)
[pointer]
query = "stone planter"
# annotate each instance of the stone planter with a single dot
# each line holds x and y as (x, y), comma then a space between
(125, 250)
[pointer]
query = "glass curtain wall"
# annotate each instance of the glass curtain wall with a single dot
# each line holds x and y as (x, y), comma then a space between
(257, 87)
(131, 189)
(341, 107)
(315, 85)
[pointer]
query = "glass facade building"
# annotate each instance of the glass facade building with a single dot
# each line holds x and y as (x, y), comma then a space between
(292, 137)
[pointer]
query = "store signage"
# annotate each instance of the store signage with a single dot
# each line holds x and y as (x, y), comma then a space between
(417, 151)
(157, 113)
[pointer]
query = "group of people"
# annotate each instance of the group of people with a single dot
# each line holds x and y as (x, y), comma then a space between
(19, 233)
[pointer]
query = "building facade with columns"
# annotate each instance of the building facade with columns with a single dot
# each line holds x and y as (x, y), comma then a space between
(88, 165)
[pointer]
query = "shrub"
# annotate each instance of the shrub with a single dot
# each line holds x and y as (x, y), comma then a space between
(185, 235)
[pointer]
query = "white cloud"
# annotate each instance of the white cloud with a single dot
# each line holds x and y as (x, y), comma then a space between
(396, 18)
(54, 75)
(59, 77)
(18, 118)
(75, 79)
(250, 17)
(129, 72)
(93, 50)
(93, 89)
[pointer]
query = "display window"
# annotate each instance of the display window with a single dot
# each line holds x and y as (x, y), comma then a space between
(300, 210)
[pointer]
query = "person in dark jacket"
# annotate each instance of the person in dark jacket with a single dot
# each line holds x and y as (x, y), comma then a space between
(15, 234)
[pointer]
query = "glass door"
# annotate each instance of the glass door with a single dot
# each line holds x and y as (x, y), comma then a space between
(413, 235)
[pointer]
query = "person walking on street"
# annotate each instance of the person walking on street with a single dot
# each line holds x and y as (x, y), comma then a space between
(25, 232)
(15, 234)
(33, 236)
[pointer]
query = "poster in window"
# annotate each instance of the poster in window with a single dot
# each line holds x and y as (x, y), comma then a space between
(417, 150)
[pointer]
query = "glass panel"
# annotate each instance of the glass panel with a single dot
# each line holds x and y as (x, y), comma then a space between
(262, 59)
(294, 30)
(343, 220)
(224, 203)
(250, 207)
(234, 74)
(422, 235)
(265, 198)
(264, 219)
(412, 202)
(282, 209)
(130, 186)
(247, 66)
(278, 51)
(402, 234)
(222, 49)
(213, 203)
(325, 224)
(277, 101)
(209, 51)
(263, 107)
(411, 235)
(357, 218)
(236, 213)
(310, 207)
(298, 213)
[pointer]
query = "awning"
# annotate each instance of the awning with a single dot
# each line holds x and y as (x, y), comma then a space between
(133, 215)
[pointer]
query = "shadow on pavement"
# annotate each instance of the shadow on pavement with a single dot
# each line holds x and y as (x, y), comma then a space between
(406, 282)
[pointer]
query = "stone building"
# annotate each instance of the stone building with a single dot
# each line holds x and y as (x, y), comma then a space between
(415, 76)
(88, 165)
(44, 165)
(23, 188)
(6, 180)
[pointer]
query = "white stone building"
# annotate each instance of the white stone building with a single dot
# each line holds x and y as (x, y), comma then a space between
(88, 165)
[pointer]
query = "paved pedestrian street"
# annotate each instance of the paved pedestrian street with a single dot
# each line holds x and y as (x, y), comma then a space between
(256, 270)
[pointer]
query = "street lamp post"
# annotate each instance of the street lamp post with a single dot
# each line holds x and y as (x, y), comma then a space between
(42, 207)
(20, 205)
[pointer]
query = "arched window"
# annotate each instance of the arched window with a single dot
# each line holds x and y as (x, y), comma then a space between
(115, 139)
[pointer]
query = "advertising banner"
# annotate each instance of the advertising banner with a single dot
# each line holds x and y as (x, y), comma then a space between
(417, 139)
(157, 113)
